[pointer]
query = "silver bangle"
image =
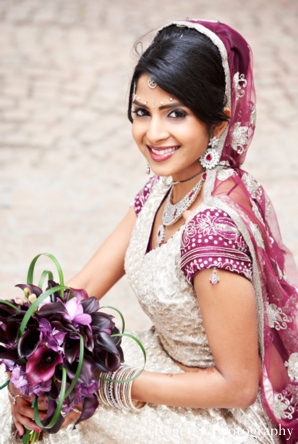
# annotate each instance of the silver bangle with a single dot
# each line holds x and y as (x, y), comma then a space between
(71, 410)
(13, 397)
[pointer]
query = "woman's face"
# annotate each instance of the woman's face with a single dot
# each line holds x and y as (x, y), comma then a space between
(167, 133)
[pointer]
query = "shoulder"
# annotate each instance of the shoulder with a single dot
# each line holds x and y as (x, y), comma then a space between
(143, 195)
(212, 239)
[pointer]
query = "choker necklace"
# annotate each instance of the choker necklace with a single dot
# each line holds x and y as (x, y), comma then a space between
(186, 180)
(173, 212)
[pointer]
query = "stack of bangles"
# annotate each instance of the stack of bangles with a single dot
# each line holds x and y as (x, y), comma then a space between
(118, 394)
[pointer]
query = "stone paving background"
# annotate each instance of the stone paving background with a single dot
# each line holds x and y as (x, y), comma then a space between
(68, 164)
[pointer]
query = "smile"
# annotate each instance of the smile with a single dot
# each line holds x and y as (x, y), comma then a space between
(161, 151)
(159, 154)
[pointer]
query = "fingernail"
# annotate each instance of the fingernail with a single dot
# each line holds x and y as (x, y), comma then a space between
(36, 429)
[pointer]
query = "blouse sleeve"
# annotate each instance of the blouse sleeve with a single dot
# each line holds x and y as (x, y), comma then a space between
(211, 239)
(143, 195)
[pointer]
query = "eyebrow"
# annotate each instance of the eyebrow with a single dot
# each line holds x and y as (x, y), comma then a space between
(170, 105)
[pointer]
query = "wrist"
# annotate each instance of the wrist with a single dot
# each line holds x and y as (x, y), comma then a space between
(13, 394)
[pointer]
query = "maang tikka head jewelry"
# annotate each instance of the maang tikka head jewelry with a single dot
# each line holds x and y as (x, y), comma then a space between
(151, 83)
(211, 156)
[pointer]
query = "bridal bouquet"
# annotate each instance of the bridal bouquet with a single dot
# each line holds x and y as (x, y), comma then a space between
(55, 343)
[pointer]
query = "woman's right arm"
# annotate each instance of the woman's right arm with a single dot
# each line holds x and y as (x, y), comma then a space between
(106, 267)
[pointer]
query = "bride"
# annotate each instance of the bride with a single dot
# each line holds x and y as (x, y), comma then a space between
(202, 251)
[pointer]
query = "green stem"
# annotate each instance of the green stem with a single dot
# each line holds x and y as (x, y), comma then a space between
(58, 408)
(30, 274)
(35, 305)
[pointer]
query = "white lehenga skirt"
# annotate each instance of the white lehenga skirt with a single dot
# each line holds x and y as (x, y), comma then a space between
(156, 424)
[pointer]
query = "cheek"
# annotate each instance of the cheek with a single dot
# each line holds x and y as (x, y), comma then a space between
(137, 133)
(134, 131)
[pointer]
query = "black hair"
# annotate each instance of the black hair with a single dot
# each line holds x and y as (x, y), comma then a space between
(187, 65)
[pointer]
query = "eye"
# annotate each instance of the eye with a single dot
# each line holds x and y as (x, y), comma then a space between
(177, 114)
(140, 112)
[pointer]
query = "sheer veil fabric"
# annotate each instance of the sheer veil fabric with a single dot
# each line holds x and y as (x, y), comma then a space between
(274, 272)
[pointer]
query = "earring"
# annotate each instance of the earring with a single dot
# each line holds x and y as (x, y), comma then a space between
(148, 169)
(211, 156)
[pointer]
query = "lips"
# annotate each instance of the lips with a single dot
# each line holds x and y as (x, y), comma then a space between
(159, 154)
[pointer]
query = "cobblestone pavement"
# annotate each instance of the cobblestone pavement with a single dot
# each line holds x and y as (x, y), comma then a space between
(69, 167)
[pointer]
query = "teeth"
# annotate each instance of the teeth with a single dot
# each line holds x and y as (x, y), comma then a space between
(166, 151)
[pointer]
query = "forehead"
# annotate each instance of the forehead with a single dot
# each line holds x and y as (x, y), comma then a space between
(142, 88)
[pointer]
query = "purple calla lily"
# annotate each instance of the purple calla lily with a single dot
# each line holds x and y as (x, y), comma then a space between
(52, 308)
(71, 348)
(41, 365)
(90, 305)
(32, 288)
(104, 341)
(50, 412)
(106, 362)
(3, 338)
(87, 372)
(89, 407)
(6, 354)
(12, 332)
(79, 293)
(28, 343)
(102, 320)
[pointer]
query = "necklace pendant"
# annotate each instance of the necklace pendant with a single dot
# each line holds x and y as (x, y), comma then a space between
(173, 212)
(160, 236)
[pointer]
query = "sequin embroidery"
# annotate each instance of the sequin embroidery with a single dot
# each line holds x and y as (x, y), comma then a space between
(292, 365)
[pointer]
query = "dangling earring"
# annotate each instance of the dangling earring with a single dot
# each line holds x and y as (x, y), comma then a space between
(148, 169)
(211, 156)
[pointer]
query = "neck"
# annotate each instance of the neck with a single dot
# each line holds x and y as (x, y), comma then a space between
(180, 189)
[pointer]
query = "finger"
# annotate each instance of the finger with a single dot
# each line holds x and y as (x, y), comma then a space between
(19, 427)
(70, 418)
(23, 421)
(23, 415)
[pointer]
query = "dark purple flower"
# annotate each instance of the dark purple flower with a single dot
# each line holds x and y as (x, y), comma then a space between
(71, 348)
(28, 343)
(88, 410)
(32, 289)
(50, 412)
(8, 354)
(6, 312)
(41, 365)
(79, 293)
(3, 337)
(105, 361)
(87, 334)
(103, 341)
(87, 371)
(90, 305)
(51, 309)
(12, 332)
(102, 320)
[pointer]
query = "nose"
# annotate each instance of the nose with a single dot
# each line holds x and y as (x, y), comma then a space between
(157, 130)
